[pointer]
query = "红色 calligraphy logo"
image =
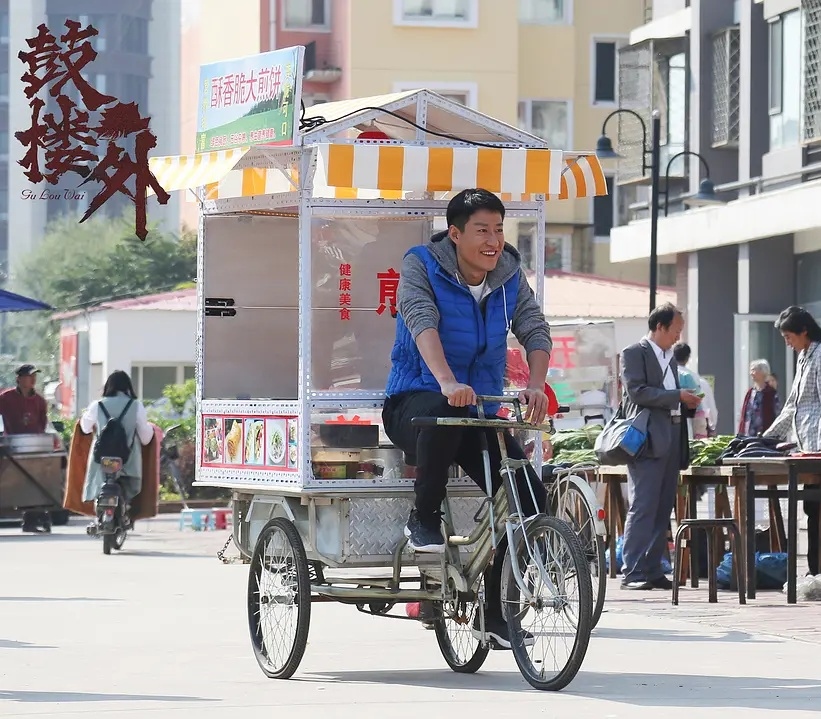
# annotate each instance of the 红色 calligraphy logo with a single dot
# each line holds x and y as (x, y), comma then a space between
(101, 139)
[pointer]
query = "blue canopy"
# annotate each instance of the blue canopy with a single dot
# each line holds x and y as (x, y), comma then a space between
(9, 302)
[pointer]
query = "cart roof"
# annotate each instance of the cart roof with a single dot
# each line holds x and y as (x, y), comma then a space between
(478, 152)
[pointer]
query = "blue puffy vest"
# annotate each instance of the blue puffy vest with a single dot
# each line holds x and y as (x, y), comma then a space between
(475, 343)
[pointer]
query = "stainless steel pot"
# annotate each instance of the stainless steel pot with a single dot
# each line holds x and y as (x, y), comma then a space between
(29, 443)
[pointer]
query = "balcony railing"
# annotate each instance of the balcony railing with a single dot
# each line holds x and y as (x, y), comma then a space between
(726, 68)
(812, 71)
(650, 79)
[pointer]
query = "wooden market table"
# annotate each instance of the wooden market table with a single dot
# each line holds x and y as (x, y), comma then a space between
(691, 480)
(772, 472)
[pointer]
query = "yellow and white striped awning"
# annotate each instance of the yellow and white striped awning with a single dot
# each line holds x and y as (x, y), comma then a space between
(181, 172)
(583, 177)
(440, 169)
(370, 171)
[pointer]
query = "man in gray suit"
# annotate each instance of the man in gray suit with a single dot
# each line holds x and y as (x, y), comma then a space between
(650, 381)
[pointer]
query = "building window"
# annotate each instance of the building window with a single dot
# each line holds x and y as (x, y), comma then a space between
(557, 250)
(151, 380)
(437, 13)
(99, 23)
(785, 80)
(134, 89)
(604, 208)
(135, 35)
(547, 119)
(306, 15)
(4, 28)
(465, 93)
(604, 71)
(676, 108)
(544, 12)
(4, 84)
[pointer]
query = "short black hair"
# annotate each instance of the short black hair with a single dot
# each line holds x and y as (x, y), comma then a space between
(797, 320)
(119, 381)
(462, 206)
(663, 315)
(682, 352)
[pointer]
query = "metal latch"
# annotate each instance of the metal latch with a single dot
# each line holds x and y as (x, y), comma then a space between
(219, 307)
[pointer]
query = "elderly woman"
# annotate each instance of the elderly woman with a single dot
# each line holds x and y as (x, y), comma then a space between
(761, 405)
(800, 420)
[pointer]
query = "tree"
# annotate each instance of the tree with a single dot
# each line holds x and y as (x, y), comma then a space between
(80, 265)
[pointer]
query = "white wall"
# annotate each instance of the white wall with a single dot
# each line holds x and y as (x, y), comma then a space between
(119, 339)
(149, 337)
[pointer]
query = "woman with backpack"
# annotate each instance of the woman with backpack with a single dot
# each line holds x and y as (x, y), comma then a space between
(118, 406)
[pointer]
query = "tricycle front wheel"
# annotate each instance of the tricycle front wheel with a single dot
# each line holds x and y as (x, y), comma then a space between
(279, 599)
(549, 629)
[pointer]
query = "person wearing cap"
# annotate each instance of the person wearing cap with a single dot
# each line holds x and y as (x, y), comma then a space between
(23, 410)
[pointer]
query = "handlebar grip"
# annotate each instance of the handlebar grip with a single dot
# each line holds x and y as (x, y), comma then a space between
(564, 409)
(424, 422)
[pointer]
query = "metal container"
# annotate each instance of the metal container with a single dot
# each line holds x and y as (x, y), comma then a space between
(334, 463)
(29, 443)
(385, 462)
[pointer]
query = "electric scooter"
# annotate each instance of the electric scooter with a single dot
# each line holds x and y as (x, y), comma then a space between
(112, 522)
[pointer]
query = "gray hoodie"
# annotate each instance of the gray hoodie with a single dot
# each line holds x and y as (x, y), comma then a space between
(417, 304)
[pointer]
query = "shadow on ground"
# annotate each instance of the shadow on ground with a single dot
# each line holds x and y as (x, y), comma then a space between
(13, 644)
(646, 690)
(661, 635)
(58, 599)
(51, 697)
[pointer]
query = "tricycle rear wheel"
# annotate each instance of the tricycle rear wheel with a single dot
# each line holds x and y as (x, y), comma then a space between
(279, 599)
(453, 627)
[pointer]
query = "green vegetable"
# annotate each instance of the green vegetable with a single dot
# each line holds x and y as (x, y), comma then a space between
(705, 452)
(575, 456)
(576, 439)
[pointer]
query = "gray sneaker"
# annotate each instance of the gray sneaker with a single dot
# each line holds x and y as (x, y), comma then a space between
(425, 536)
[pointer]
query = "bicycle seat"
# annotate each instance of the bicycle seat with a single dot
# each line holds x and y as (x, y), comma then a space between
(409, 459)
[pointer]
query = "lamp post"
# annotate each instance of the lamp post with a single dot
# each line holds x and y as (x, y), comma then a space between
(705, 195)
(604, 150)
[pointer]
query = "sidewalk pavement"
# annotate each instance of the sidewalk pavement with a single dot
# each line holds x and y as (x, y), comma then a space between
(767, 614)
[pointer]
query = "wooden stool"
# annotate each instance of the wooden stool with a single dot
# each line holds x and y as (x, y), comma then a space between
(714, 529)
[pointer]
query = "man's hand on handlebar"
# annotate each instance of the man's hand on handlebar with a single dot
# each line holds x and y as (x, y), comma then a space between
(458, 394)
(536, 401)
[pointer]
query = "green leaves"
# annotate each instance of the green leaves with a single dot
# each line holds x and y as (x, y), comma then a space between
(81, 265)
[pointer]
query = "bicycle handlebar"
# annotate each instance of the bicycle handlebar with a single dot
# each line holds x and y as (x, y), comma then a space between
(492, 423)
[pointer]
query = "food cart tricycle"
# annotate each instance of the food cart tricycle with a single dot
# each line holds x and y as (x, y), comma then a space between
(299, 255)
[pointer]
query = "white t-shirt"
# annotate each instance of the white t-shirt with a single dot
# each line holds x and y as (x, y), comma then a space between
(664, 357)
(479, 291)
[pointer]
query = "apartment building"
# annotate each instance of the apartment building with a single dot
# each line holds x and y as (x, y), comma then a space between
(738, 83)
(548, 66)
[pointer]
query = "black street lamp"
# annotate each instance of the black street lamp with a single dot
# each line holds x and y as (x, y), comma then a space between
(705, 195)
(604, 150)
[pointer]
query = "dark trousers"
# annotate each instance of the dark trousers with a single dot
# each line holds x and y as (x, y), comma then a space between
(435, 449)
(652, 483)
(811, 509)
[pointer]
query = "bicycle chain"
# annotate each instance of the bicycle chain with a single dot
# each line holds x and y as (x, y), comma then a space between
(231, 560)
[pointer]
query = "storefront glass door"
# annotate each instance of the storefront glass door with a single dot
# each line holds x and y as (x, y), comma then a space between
(757, 338)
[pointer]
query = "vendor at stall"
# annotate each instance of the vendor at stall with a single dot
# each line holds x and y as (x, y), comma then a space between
(23, 410)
